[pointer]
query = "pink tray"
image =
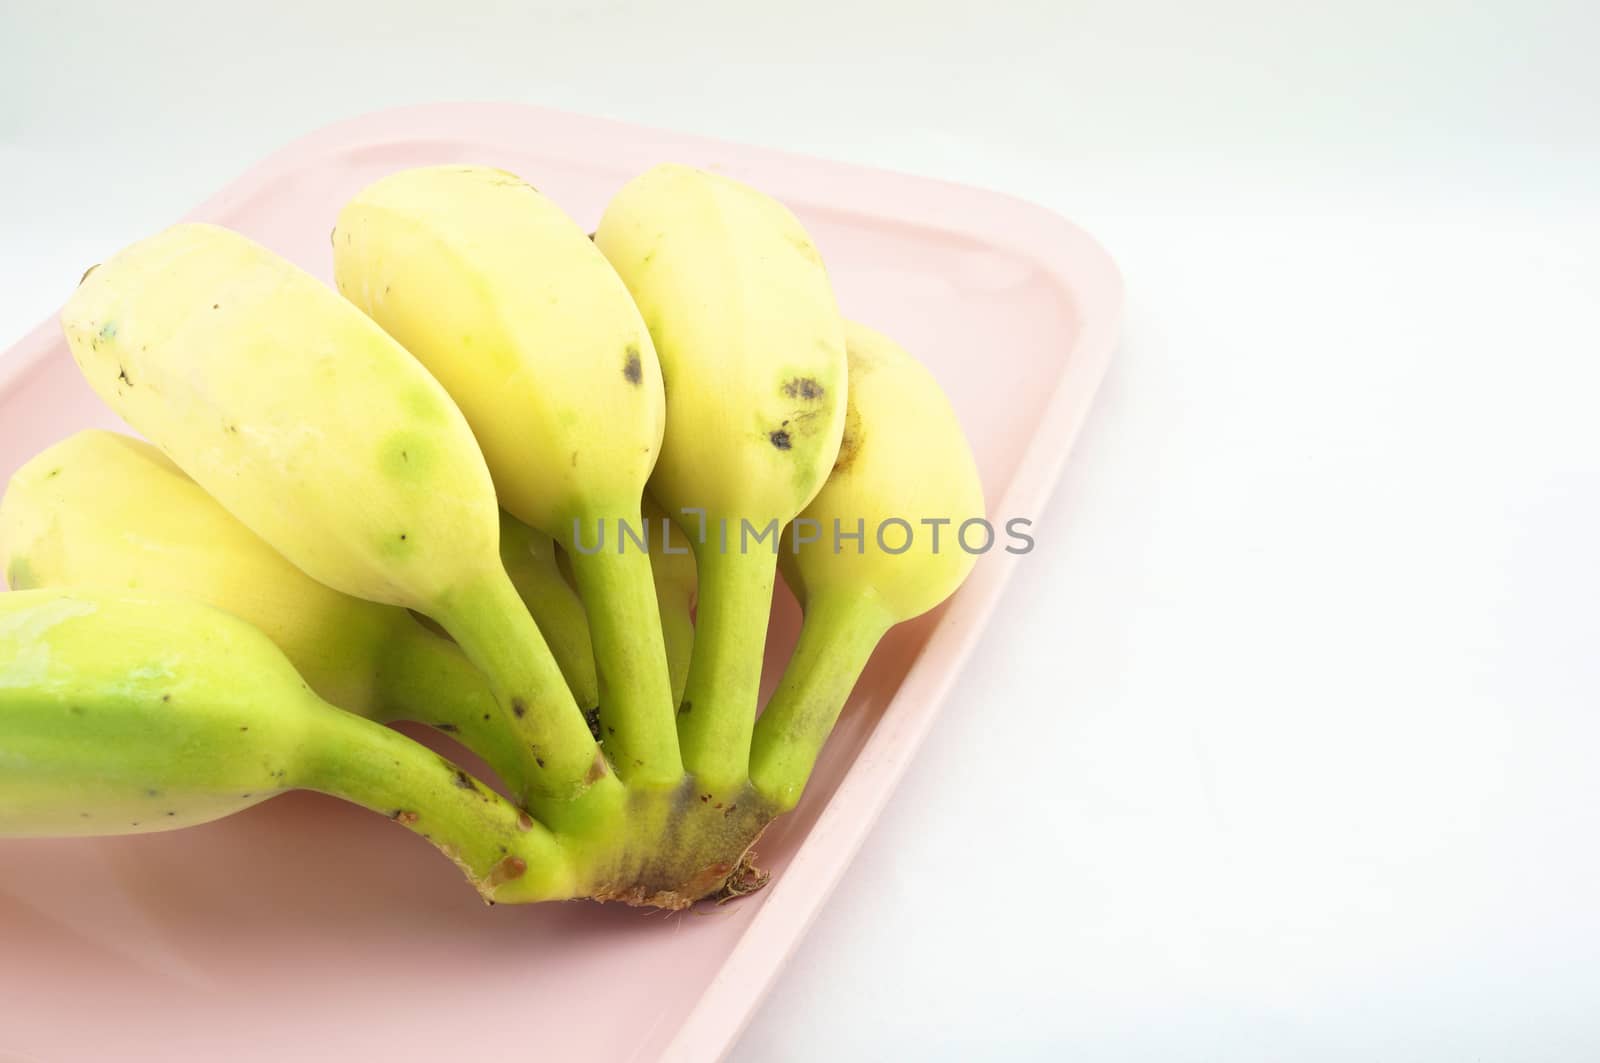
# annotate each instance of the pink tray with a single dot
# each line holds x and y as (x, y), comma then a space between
(308, 929)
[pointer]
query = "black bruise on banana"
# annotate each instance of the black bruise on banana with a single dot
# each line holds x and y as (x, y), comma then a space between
(803, 388)
(781, 437)
(632, 367)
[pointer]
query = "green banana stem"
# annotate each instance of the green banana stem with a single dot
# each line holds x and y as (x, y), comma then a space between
(675, 593)
(672, 568)
(529, 558)
(836, 640)
(494, 629)
(677, 632)
(636, 717)
(718, 711)
(505, 854)
(426, 679)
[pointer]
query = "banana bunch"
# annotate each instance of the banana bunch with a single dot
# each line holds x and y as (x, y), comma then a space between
(526, 487)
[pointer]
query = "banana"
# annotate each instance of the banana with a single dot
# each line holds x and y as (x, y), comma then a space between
(904, 458)
(531, 560)
(129, 714)
(101, 509)
(752, 357)
(509, 304)
(324, 437)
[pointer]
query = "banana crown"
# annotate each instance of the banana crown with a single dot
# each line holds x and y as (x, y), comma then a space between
(265, 386)
(903, 459)
(511, 306)
(749, 336)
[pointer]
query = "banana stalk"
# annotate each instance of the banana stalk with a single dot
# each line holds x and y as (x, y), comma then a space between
(672, 569)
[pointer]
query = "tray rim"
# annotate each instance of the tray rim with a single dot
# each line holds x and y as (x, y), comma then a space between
(1077, 265)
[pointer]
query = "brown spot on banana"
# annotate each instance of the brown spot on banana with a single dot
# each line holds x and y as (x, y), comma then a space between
(803, 387)
(507, 870)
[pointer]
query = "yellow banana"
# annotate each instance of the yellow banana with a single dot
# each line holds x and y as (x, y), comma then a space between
(906, 480)
(509, 304)
(104, 510)
(324, 437)
(128, 714)
(752, 357)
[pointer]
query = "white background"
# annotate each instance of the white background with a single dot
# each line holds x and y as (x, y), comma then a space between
(1284, 745)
